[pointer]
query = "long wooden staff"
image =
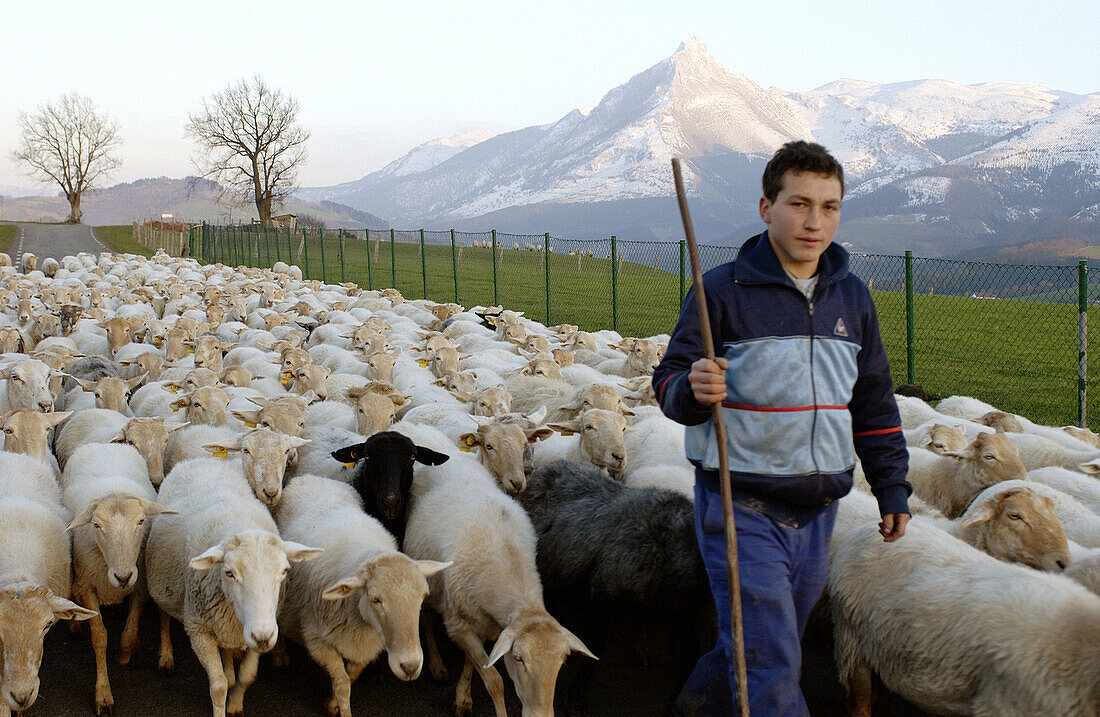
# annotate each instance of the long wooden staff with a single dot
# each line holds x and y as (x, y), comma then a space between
(736, 629)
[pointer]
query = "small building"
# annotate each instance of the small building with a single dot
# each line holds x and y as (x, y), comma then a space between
(285, 220)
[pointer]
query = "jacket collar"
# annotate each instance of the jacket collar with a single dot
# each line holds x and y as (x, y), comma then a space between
(757, 264)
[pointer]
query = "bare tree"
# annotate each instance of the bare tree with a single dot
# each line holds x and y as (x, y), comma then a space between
(250, 141)
(69, 143)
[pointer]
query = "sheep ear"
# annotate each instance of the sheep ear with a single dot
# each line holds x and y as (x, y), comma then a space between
(68, 610)
(298, 553)
(57, 417)
(576, 645)
(137, 381)
(350, 454)
(252, 417)
(538, 416)
(429, 457)
(986, 511)
(296, 442)
(961, 454)
(502, 646)
(1091, 467)
(83, 518)
(176, 426)
(342, 588)
(570, 427)
(180, 403)
(539, 434)
(119, 437)
(221, 450)
(926, 441)
(429, 568)
(209, 559)
(150, 507)
(399, 399)
(468, 440)
(260, 401)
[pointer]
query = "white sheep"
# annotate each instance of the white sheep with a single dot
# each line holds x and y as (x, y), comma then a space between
(1081, 525)
(600, 441)
(1084, 488)
(491, 591)
(950, 481)
(1037, 451)
(26, 384)
(360, 561)
(106, 487)
(35, 565)
(218, 567)
(992, 638)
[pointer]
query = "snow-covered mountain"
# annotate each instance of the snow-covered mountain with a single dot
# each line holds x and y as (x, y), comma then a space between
(923, 151)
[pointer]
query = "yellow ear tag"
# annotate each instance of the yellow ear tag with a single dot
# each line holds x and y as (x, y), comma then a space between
(250, 424)
(567, 433)
(86, 390)
(221, 453)
(464, 400)
(464, 449)
(422, 363)
(176, 409)
(158, 342)
(190, 351)
(349, 465)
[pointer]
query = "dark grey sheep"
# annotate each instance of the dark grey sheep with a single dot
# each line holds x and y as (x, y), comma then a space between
(609, 552)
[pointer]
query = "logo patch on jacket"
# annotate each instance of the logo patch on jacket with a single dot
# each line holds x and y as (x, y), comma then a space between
(840, 329)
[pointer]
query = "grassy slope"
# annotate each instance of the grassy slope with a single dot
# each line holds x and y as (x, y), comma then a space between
(7, 233)
(1019, 355)
(120, 239)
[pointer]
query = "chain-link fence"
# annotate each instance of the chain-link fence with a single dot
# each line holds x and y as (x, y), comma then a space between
(1012, 335)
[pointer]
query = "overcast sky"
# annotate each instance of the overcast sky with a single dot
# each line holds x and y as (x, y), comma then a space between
(375, 79)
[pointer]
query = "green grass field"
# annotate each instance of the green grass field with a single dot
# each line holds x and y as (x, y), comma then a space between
(7, 233)
(120, 239)
(1019, 355)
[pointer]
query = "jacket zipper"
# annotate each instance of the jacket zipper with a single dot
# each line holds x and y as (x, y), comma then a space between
(813, 391)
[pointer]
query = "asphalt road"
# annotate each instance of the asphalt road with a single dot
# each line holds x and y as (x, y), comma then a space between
(53, 240)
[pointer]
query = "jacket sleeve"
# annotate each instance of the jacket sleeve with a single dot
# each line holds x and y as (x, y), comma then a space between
(876, 424)
(670, 379)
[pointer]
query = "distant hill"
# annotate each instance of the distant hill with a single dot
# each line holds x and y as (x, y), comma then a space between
(188, 200)
(933, 166)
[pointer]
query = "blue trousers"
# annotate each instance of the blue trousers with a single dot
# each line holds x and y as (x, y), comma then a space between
(783, 572)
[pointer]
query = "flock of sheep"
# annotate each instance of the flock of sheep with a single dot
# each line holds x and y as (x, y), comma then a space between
(181, 426)
(267, 457)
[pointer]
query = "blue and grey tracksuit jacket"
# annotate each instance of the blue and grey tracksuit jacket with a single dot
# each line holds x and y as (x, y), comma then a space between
(808, 387)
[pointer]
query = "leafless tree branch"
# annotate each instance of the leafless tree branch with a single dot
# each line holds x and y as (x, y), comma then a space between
(69, 144)
(249, 140)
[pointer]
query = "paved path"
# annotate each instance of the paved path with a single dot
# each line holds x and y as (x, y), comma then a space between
(54, 240)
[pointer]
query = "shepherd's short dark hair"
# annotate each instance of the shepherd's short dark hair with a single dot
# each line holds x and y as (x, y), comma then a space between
(799, 156)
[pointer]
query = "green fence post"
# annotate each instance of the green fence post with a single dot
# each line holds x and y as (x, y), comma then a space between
(393, 259)
(324, 275)
(370, 271)
(278, 247)
(289, 248)
(305, 254)
(423, 266)
(910, 329)
(496, 301)
(614, 285)
(1082, 337)
(546, 255)
(454, 264)
(343, 273)
(683, 276)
